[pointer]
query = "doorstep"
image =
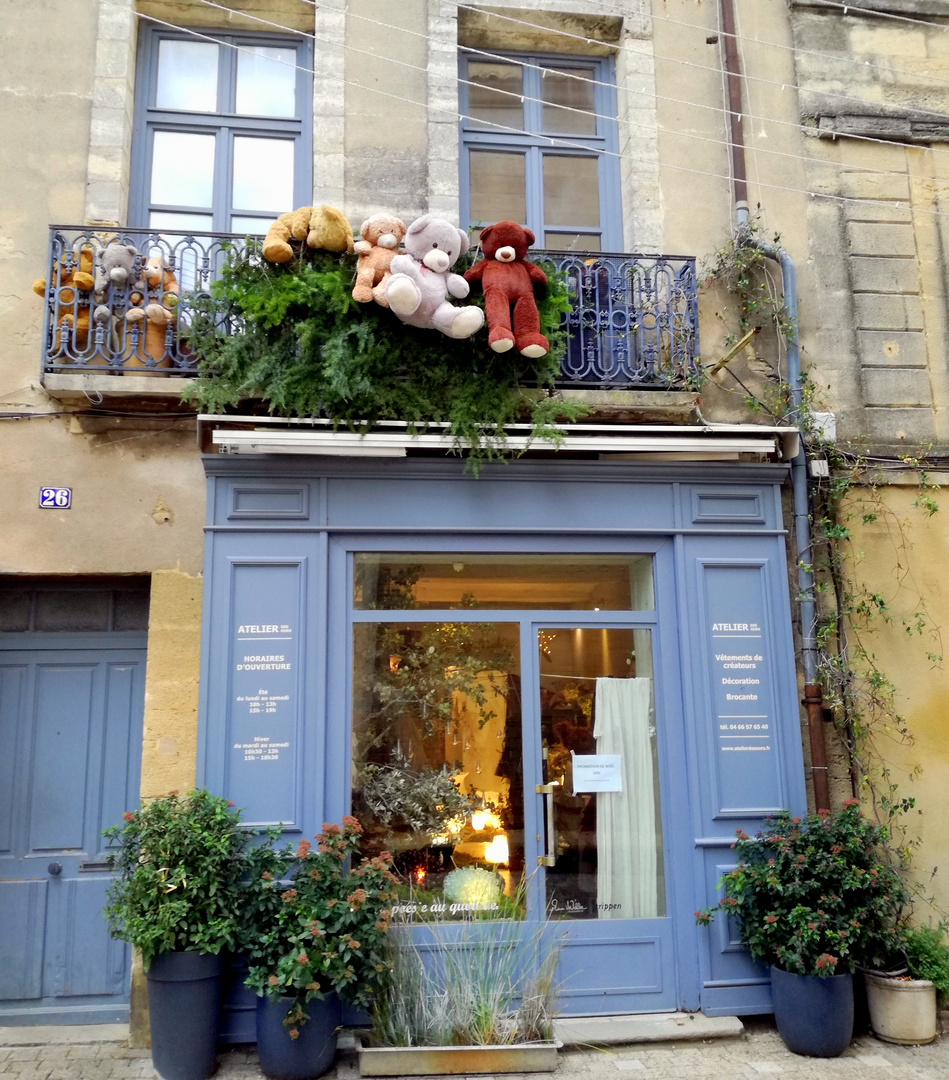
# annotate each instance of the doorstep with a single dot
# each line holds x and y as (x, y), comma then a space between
(63, 1034)
(645, 1028)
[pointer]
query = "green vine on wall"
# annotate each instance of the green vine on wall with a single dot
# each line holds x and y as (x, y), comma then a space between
(851, 612)
(292, 338)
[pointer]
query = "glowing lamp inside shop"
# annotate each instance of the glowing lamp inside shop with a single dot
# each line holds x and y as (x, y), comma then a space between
(497, 851)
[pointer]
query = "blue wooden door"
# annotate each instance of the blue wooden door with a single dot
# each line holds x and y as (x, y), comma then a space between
(70, 726)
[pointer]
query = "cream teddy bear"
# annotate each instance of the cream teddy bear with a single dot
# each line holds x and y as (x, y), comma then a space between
(380, 238)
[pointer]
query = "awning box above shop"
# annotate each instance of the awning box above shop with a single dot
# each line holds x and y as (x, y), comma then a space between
(389, 438)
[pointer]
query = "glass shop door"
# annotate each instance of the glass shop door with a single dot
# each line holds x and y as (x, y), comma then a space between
(600, 822)
(504, 749)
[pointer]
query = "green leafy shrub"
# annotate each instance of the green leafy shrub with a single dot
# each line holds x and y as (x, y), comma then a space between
(313, 922)
(927, 956)
(816, 896)
(291, 336)
(178, 865)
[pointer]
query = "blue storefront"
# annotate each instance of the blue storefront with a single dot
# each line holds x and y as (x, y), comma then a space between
(553, 691)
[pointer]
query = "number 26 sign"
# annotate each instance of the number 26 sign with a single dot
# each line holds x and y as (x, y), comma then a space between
(54, 498)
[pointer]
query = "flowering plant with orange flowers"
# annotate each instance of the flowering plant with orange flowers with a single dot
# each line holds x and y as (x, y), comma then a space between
(314, 919)
(815, 896)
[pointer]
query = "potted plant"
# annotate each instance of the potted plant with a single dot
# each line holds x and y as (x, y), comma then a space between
(177, 864)
(313, 927)
(480, 1003)
(902, 1001)
(815, 899)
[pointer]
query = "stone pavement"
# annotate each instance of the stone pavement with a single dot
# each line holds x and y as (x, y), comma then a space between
(758, 1052)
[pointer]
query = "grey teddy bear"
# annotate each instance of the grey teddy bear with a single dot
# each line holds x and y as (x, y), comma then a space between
(421, 280)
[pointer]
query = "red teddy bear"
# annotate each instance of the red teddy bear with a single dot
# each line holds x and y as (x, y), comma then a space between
(508, 279)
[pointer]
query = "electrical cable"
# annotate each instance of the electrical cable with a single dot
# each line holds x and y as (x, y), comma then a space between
(807, 131)
(562, 142)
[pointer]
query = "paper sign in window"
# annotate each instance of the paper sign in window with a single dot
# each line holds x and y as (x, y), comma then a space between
(597, 772)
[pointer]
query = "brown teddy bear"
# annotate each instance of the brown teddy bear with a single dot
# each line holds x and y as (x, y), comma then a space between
(320, 226)
(508, 280)
(152, 321)
(380, 238)
(70, 291)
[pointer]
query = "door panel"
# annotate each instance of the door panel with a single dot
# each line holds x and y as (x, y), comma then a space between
(22, 926)
(72, 716)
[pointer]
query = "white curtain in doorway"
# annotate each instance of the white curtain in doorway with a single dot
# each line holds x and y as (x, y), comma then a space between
(626, 820)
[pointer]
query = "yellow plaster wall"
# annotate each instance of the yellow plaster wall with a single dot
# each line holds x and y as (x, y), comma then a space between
(921, 767)
(170, 737)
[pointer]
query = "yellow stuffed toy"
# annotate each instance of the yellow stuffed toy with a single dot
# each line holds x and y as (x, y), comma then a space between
(152, 320)
(319, 226)
(70, 291)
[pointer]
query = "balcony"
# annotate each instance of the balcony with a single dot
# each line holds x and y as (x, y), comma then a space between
(633, 322)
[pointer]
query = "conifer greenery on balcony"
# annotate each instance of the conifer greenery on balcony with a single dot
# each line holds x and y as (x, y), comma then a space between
(291, 337)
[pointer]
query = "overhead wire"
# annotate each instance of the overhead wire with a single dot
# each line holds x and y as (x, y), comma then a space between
(611, 10)
(559, 141)
(568, 75)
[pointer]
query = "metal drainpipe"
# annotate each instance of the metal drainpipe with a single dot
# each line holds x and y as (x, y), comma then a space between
(813, 702)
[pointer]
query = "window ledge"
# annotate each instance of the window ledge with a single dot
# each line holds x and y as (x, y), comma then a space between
(636, 406)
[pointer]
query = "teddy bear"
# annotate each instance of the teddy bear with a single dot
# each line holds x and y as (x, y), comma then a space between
(115, 274)
(150, 347)
(379, 241)
(73, 282)
(420, 283)
(508, 280)
(116, 267)
(320, 226)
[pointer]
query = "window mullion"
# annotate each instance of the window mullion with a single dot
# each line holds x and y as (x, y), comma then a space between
(223, 171)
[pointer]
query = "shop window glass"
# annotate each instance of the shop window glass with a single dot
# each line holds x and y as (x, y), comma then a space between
(436, 764)
(565, 582)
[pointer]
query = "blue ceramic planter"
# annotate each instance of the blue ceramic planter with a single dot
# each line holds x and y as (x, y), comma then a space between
(814, 1015)
(309, 1055)
(184, 997)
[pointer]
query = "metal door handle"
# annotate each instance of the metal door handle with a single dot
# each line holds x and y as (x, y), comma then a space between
(55, 868)
(549, 857)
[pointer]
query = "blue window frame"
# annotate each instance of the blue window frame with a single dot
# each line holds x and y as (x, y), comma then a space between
(223, 130)
(539, 146)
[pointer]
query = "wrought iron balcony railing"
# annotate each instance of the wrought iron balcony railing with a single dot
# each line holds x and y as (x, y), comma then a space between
(633, 320)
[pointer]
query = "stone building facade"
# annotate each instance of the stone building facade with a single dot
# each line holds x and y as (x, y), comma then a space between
(843, 120)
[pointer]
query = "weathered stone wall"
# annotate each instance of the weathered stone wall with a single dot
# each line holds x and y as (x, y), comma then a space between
(880, 88)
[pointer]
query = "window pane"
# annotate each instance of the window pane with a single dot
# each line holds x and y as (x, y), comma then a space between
(14, 608)
(72, 609)
(263, 174)
(596, 698)
(187, 76)
(250, 226)
(495, 94)
(131, 609)
(444, 580)
(572, 241)
(182, 168)
(437, 777)
(179, 223)
(568, 101)
(497, 187)
(266, 81)
(571, 191)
